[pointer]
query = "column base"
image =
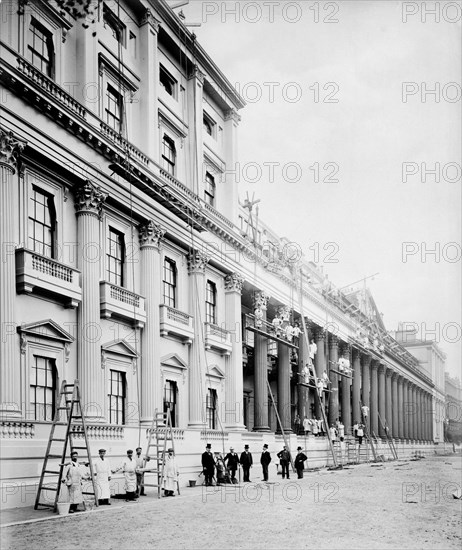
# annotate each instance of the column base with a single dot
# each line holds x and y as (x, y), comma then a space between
(266, 429)
(287, 431)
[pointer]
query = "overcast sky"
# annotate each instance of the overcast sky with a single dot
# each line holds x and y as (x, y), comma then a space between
(333, 109)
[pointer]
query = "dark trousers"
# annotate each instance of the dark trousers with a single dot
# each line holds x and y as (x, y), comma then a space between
(300, 473)
(208, 474)
(285, 469)
(140, 484)
(246, 471)
(233, 474)
(265, 472)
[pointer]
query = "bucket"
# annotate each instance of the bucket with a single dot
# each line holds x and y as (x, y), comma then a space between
(63, 508)
(192, 482)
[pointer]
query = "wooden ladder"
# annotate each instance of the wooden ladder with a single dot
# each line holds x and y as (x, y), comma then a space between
(160, 433)
(390, 442)
(286, 443)
(74, 424)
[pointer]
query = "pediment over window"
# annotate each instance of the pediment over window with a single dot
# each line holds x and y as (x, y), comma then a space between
(46, 329)
(119, 347)
(215, 371)
(173, 360)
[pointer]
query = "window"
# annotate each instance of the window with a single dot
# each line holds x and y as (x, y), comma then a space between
(117, 397)
(209, 192)
(113, 23)
(209, 125)
(115, 257)
(41, 48)
(170, 392)
(210, 302)
(211, 409)
(168, 155)
(42, 223)
(43, 388)
(169, 282)
(168, 83)
(132, 43)
(114, 108)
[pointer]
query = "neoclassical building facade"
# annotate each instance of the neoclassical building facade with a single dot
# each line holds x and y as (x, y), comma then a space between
(128, 263)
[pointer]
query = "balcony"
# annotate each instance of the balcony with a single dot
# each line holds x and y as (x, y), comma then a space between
(120, 302)
(177, 324)
(41, 275)
(217, 339)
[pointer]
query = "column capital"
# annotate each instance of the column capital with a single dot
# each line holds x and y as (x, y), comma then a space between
(197, 261)
(375, 364)
(319, 333)
(345, 348)
(382, 368)
(151, 234)
(234, 282)
(389, 372)
(333, 341)
(366, 359)
(283, 313)
(89, 198)
(10, 150)
(233, 115)
(149, 19)
(394, 375)
(260, 299)
(198, 74)
(400, 379)
(356, 353)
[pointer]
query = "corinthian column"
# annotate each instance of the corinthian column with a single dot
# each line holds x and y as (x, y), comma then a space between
(261, 366)
(10, 405)
(234, 382)
(400, 407)
(374, 418)
(388, 403)
(197, 262)
(88, 203)
(319, 366)
(151, 236)
(333, 377)
(346, 393)
(382, 409)
(284, 377)
(356, 385)
(394, 404)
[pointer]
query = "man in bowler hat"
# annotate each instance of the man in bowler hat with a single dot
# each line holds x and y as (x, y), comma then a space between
(246, 462)
(265, 460)
(208, 464)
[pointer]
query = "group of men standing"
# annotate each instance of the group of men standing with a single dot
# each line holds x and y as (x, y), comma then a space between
(232, 462)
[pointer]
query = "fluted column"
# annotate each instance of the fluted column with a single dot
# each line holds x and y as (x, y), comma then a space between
(382, 402)
(356, 397)
(394, 404)
(303, 359)
(366, 380)
(10, 379)
(234, 382)
(197, 262)
(414, 411)
(151, 236)
(261, 366)
(406, 416)
(319, 364)
(88, 203)
(333, 377)
(374, 420)
(388, 403)
(421, 413)
(400, 406)
(432, 415)
(346, 393)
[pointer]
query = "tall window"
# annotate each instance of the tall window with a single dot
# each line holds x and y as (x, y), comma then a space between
(43, 388)
(115, 257)
(168, 155)
(113, 23)
(210, 302)
(41, 48)
(117, 397)
(211, 409)
(114, 108)
(209, 192)
(168, 83)
(170, 393)
(169, 282)
(42, 223)
(209, 125)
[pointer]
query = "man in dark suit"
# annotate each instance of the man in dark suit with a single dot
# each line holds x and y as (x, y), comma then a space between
(208, 464)
(232, 462)
(284, 461)
(246, 462)
(265, 461)
(299, 462)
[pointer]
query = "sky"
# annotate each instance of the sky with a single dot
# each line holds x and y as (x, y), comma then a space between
(351, 107)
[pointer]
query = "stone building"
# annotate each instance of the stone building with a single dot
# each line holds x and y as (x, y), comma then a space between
(128, 263)
(453, 416)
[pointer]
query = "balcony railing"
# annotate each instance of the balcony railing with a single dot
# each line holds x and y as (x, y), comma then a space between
(37, 273)
(120, 302)
(217, 339)
(177, 324)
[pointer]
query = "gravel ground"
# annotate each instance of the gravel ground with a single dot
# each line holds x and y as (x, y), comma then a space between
(404, 504)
